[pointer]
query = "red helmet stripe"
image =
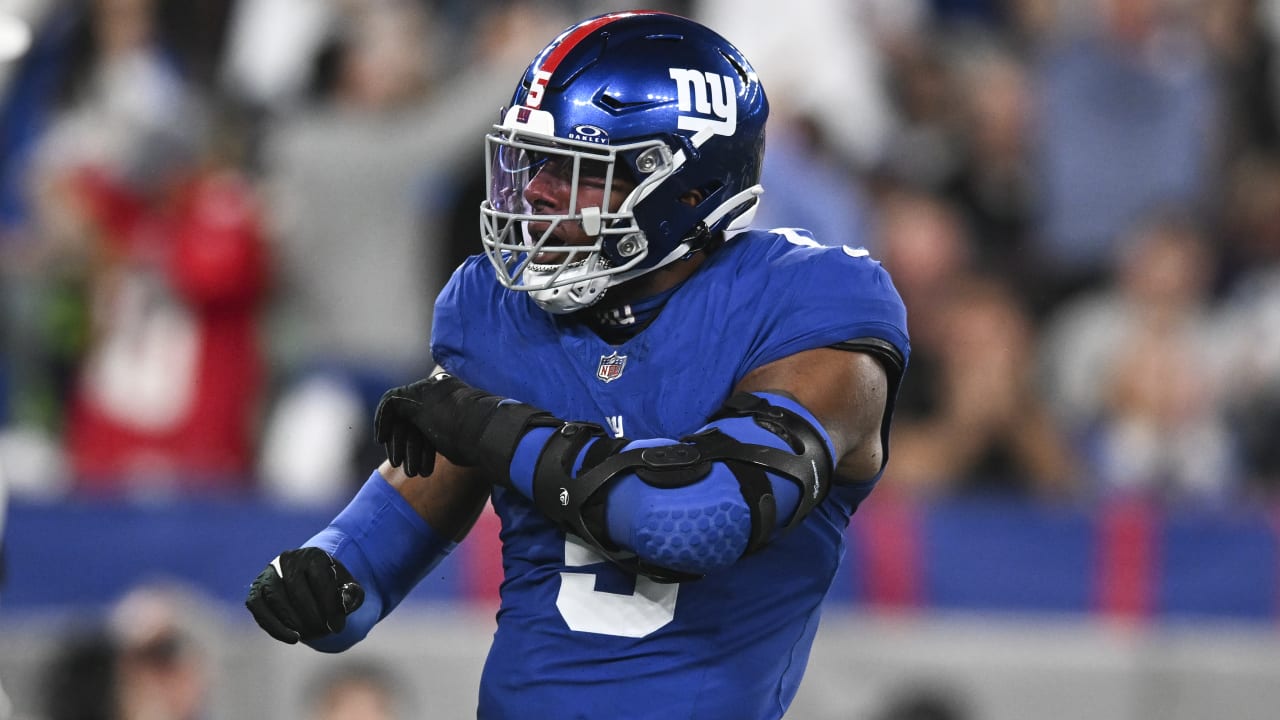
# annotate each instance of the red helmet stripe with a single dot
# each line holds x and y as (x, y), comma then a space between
(576, 36)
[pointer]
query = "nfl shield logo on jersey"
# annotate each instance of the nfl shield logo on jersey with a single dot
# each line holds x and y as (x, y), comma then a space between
(610, 367)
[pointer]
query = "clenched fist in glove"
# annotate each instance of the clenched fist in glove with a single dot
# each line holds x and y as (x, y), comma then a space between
(303, 594)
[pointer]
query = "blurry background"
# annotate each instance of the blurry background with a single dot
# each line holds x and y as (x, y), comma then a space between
(223, 224)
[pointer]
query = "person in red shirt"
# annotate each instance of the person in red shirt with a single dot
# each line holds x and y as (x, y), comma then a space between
(168, 392)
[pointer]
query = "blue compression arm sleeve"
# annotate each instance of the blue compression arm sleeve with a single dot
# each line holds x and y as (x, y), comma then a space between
(387, 547)
(698, 528)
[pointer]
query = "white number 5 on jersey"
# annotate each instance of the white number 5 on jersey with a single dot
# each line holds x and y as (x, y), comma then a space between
(586, 609)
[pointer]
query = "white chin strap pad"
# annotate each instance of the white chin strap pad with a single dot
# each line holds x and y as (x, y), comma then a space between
(564, 299)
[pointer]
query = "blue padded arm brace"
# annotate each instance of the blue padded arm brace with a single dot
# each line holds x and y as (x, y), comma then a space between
(387, 547)
(698, 528)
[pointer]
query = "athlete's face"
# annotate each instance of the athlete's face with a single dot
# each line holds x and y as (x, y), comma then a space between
(549, 193)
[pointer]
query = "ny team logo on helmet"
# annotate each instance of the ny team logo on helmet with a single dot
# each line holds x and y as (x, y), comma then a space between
(652, 99)
(705, 94)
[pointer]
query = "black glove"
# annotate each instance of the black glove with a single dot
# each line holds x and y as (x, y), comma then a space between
(440, 413)
(303, 594)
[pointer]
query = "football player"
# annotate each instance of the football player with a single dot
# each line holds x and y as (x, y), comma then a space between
(674, 414)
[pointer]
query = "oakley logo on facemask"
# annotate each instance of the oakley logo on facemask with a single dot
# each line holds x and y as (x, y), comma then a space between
(707, 94)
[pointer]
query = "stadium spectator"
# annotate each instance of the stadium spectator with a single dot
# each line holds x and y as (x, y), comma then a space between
(993, 178)
(79, 681)
(1242, 53)
(809, 186)
(1250, 319)
(836, 77)
(161, 667)
(163, 237)
(1135, 370)
(971, 419)
(357, 190)
(922, 150)
(356, 691)
(1126, 119)
(144, 661)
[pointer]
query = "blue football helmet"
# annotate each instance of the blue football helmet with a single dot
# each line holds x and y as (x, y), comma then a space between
(644, 100)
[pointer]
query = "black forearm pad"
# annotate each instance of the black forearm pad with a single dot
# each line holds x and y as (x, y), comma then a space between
(459, 418)
(497, 443)
(467, 425)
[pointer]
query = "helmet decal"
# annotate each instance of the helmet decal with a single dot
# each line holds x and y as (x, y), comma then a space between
(563, 45)
(706, 94)
(589, 133)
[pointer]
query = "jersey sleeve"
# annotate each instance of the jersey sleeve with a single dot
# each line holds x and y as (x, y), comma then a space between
(471, 286)
(815, 296)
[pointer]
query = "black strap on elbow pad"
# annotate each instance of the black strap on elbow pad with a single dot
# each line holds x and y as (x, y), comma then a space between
(576, 502)
(809, 465)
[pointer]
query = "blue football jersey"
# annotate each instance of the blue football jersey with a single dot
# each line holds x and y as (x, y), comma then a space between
(579, 638)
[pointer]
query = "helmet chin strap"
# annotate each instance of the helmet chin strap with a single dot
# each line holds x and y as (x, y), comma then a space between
(565, 299)
(570, 297)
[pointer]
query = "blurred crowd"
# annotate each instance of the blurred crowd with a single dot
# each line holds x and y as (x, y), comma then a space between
(223, 224)
(151, 657)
